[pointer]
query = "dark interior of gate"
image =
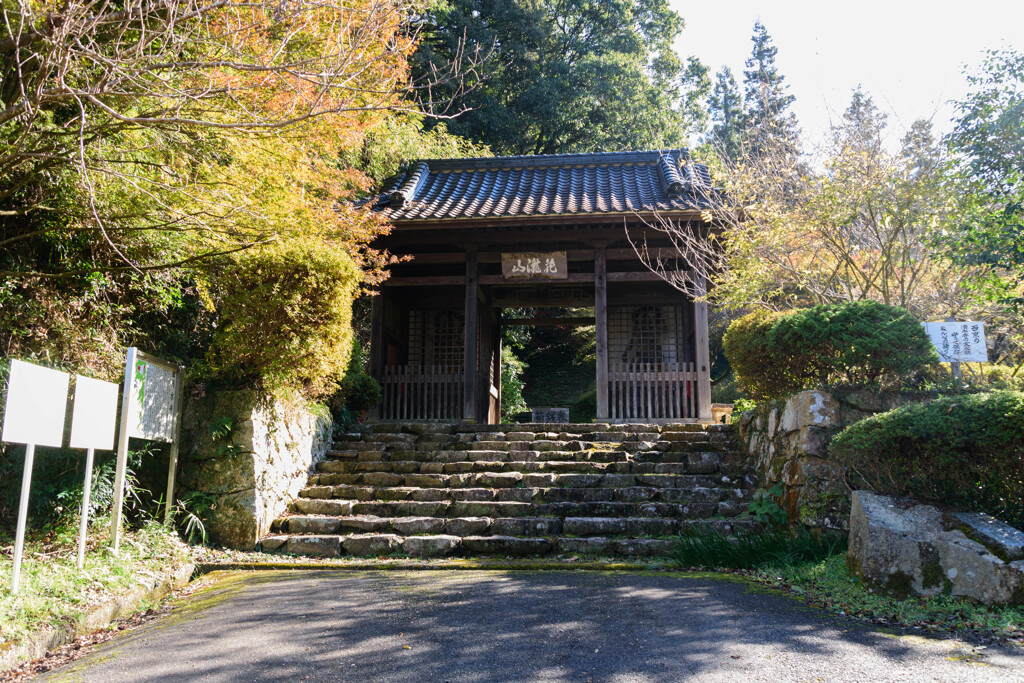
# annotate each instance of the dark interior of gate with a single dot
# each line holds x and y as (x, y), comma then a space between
(485, 235)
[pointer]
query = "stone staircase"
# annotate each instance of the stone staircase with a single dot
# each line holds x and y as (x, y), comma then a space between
(431, 490)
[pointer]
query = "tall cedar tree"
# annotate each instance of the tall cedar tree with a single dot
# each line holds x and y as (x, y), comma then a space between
(728, 114)
(770, 127)
(756, 124)
(566, 75)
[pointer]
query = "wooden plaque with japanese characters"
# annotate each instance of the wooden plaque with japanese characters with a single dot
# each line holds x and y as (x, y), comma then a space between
(531, 265)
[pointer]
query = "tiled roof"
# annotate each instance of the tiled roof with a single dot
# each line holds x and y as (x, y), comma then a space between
(545, 185)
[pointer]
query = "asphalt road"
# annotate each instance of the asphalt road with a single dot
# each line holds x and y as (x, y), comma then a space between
(516, 626)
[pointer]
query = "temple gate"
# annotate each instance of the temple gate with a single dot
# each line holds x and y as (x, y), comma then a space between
(489, 234)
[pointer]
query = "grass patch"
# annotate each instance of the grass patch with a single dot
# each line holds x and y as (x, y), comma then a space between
(709, 548)
(54, 591)
(828, 584)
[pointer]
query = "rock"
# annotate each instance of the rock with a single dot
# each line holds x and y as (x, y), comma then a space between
(999, 537)
(367, 545)
(506, 545)
(586, 546)
(321, 546)
(644, 547)
(273, 542)
(410, 526)
(364, 523)
(313, 525)
(494, 480)
(594, 526)
(902, 547)
(337, 508)
(430, 546)
(467, 526)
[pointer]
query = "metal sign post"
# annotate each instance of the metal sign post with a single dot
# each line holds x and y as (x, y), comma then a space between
(150, 409)
(37, 400)
(92, 428)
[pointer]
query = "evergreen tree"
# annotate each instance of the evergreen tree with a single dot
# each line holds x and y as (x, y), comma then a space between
(771, 129)
(728, 115)
(563, 75)
(862, 125)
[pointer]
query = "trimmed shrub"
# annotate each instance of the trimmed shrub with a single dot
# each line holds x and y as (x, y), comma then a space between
(860, 342)
(963, 451)
(747, 347)
(286, 319)
(855, 342)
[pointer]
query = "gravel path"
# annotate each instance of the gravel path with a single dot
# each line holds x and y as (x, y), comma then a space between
(516, 626)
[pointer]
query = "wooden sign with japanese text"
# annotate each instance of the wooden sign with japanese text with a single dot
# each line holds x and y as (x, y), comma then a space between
(959, 342)
(553, 265)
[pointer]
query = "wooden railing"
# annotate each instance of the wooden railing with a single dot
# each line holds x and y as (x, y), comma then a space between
(421, 393)
(652, 390)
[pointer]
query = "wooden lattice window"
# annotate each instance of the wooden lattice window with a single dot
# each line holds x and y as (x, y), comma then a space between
(436, 339)
(646, 334)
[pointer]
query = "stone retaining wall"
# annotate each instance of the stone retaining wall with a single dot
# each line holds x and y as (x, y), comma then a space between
(788, 441)
(251, 473)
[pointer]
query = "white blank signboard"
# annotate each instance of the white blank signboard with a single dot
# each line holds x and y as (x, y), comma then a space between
(94, 419)
(959, 342)
(37, 399)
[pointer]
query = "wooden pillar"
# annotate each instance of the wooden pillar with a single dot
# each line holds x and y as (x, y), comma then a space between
(483, 362)
(701, 351)
(469, 399)
(601, 320)
(377, 351)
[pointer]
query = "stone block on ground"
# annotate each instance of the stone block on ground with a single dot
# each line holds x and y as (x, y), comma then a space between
(430, 546)
(903, 547)
(313, 525)
(315, 506)
(467, 526)
(320, 546)
(999, 537)
(273, 542)
(592, 545)
(367, 545)
(506, 545)
(410, 526)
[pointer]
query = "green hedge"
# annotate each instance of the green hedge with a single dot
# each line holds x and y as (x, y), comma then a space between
(860, 342)
(963, 451)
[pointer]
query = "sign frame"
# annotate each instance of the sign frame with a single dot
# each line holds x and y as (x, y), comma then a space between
(132, 360)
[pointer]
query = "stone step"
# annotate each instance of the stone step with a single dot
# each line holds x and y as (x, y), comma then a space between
(496, 478)
(698, 463)
(689, 507)
(441, 545)
(483, 526)
(335, 498)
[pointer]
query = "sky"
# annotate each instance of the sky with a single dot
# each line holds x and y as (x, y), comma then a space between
(908, 55)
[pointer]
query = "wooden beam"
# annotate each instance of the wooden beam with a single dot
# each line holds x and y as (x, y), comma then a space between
(469, 402)
(601, 316)
(584, 255)
(429, 281)
(501, 280)
(635, 276)
(702, 352)
(537, 322)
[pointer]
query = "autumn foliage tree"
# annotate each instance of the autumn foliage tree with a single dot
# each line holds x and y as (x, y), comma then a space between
(151, 150)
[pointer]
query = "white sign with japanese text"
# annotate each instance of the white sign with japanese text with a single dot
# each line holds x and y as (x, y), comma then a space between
(552, 265)
(959, 342)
